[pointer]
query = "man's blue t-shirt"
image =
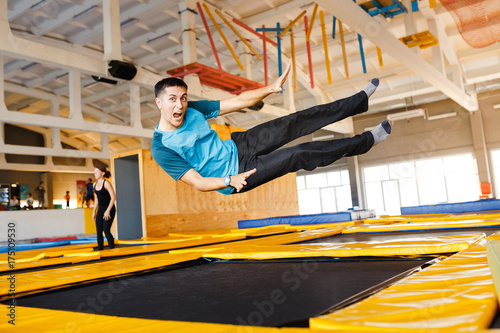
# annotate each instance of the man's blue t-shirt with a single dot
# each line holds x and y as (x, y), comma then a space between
(194, 145)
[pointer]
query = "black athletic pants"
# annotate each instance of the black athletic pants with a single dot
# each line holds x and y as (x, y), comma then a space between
(104, 225)
(258, 147)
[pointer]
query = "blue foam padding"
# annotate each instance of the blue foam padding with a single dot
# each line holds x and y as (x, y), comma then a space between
(296, 220)
(460, 207)
(33, 246)
(84, 240)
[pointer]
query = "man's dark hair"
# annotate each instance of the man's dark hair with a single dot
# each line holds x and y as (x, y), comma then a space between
(169, 82)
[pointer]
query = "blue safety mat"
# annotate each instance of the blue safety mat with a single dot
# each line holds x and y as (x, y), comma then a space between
(296, 220)
(33, 246)
(43, 245)
(459, 207)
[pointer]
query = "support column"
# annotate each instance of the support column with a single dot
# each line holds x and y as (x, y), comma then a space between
(104, 143)
(2, 86)
(355, 181)
(437, 52)
(480, 151)
(135, 106)
(245, 51)
(49, 189)
(56, 132)
(75, 96)
(111, 30)
(288, 95)
(188, 31)
(410, 23)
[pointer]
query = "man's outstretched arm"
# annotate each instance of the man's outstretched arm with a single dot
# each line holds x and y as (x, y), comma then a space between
(205, 184)
(250, 97)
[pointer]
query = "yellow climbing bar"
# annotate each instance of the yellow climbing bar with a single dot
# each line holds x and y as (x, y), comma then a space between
(229, 47)
(325, 46)
(455, 294)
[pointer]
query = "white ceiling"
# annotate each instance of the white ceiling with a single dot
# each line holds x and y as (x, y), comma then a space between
(152, 35)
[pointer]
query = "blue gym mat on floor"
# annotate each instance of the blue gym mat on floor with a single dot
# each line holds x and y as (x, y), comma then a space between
(297, 220)
(459, 207)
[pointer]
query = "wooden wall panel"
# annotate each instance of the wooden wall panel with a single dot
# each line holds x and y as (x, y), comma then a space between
(170, 206)
(212, 210)
(175, 206)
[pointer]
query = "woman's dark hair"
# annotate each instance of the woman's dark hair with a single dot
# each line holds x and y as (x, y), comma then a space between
(107, 174)
(169, 82)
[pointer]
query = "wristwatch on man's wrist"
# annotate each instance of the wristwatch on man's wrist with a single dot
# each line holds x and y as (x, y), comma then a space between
(227, 180)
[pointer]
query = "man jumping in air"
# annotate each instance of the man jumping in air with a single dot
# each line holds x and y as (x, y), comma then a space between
(187, 149)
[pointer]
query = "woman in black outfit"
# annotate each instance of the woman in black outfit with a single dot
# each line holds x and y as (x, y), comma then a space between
(104, 206)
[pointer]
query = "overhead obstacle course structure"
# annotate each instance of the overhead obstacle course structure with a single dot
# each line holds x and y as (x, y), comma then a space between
(218, 78)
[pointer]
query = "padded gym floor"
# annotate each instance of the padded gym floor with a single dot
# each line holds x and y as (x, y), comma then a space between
(418, 272)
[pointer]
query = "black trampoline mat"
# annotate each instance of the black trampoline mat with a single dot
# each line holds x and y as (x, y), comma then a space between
(241, 293)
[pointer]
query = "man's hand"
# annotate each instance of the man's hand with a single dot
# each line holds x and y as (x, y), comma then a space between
(240, 180)
(276, 86)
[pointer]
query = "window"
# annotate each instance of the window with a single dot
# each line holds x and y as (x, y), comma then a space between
(421, 182)
(327, 192)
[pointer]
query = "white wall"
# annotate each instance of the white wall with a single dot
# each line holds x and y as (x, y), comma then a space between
(63, 182)
(38, 223)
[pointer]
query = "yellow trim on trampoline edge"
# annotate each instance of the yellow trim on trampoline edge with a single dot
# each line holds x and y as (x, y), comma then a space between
(402, 247)
(43, 320)
(420, 226)
(456, 293)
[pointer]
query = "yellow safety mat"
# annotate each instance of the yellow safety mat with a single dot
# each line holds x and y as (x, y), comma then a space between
(55, 278)
(493, 254)
(42, 320)
(434, 217)
(410, 225)
(402, 247)
(251, 232)
(456, 293)
(55, 256)
(73, 258)
(271, 240)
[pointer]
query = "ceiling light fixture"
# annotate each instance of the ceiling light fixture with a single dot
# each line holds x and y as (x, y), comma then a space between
(128, 22)
(442, 115)
(30, 66)
(38, 5)
(406, 115)
(158, 37)
(323, 137)
(85, 12)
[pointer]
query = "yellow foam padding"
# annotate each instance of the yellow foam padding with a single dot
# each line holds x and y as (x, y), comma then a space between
(46, 262)
(402, 247)
(493, 254)
(270, 240)
(146, 240)
(433, 217)
(88, 221)
(128, 250)
(254, 232)
(55, 278)
(454, 294)
(57, 249)
(30, 257)
(419, 226)
(75, 255)
(43, 320)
